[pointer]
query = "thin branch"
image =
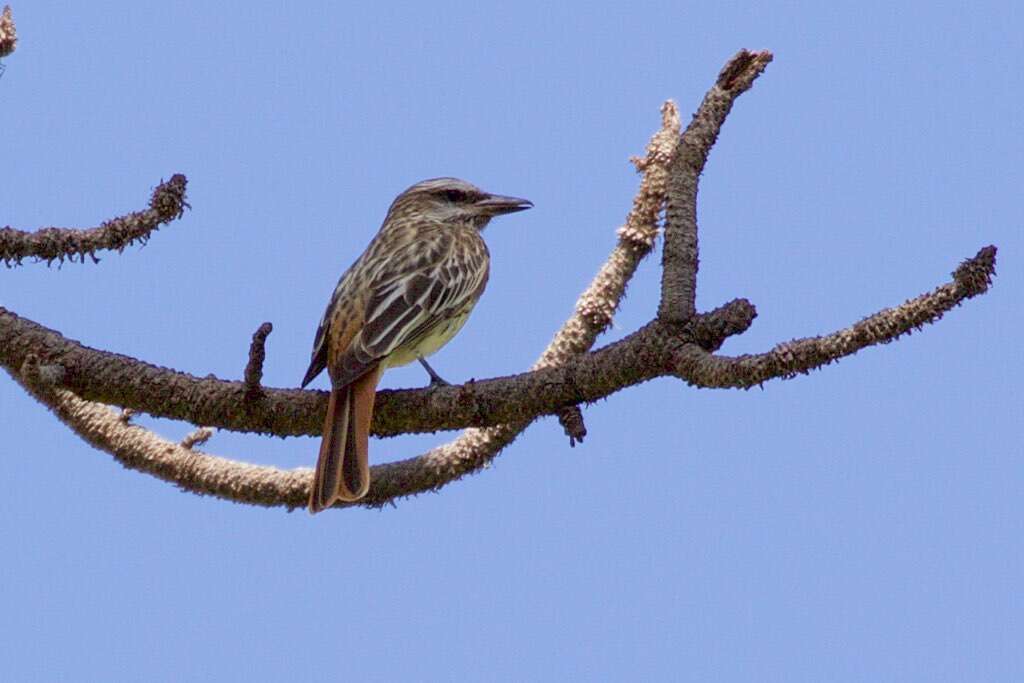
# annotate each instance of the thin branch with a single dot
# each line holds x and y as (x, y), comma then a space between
(55, 244)
(139, 449)
(800, 356)
(196, 438)
(254, 368)
(680, 257)
(598, 304)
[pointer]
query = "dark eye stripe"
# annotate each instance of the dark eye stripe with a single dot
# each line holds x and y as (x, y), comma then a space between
(454, 195)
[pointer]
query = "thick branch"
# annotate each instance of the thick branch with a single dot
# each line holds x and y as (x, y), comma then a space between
(111, 378)
(700, 368)
(680, 255)
(119, 380)
(56, 244)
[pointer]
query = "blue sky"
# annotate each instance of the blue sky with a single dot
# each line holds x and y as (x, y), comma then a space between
(860, 523)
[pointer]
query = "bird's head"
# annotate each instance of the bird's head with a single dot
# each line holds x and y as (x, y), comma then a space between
(453, 201)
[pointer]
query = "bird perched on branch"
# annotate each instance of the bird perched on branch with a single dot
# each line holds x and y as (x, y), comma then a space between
(410, 292)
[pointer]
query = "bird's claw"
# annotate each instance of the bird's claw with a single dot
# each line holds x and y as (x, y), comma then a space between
(436, 381)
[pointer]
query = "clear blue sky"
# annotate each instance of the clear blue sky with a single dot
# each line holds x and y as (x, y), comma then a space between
(860, 523)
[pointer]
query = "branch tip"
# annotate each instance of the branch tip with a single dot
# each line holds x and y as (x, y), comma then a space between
(728, 320)
(739, 73)
(257, 355)
(975, 275)
(196, 438)
(168, 200)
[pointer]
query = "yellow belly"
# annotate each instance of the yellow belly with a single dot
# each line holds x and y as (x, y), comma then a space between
(429, 344)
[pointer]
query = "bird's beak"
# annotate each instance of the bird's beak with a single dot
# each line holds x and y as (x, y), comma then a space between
(496, 204)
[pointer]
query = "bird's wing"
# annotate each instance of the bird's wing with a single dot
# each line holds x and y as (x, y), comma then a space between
(318, 361)
(318, 358)
(416, 286)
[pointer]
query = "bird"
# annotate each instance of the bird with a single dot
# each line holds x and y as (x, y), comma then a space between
(404, 298)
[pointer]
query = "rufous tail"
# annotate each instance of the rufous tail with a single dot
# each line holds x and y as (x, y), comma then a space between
(343, 468)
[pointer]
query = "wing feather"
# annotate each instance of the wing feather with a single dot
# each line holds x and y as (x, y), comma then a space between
(419, 286)
(320, 355)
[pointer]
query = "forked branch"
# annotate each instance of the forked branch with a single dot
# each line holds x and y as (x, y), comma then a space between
(77, 382)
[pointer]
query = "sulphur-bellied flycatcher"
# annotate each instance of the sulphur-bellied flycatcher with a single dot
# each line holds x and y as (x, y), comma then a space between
(402, 300)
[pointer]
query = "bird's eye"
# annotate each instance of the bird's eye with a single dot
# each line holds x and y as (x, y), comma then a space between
(454, 195)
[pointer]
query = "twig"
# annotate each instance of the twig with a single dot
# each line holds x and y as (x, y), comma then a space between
(254, 368)
(56, 244)
(196, 438)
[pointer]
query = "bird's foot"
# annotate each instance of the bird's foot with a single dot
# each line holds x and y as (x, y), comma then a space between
(436, 381)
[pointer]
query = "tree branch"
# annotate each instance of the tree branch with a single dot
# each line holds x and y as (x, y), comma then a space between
(680, 258)
(123, 381)
(181, 464)
(75, 381)
(120, 380)
(254, 368)
(661, 346)
(800, 356)
(56, 244)
(140, 449)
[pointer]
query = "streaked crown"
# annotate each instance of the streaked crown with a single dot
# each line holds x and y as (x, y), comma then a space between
(452, 201)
